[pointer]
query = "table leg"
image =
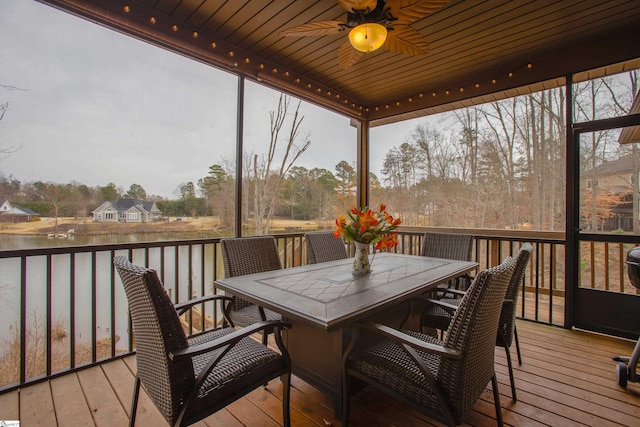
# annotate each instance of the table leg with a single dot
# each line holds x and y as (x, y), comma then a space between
(316, 358)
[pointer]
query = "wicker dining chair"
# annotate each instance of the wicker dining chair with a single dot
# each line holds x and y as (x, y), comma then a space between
(439, 312)
(189, 379)
(442, 379)
(249, 255)
(322, 246)
(449, 246)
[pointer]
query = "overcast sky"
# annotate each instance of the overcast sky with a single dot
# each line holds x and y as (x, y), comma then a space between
(94, 106)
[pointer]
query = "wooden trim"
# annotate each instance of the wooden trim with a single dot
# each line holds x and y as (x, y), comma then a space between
(545, 291)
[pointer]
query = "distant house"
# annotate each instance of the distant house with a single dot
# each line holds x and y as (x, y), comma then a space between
(5, 206)
(631, 134)
(127, 210)
(614, 177)
(15, 213)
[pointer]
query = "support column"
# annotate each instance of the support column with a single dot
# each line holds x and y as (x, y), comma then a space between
(239, 150)
(362, 193)
(572, 220)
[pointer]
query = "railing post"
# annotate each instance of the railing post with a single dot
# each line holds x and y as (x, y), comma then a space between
(494, 255)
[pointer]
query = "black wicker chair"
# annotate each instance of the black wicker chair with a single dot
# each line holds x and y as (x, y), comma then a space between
(189, 379)
(322, 246)
(449, 246)
(440, 312)
(249, 255)
(442, 379)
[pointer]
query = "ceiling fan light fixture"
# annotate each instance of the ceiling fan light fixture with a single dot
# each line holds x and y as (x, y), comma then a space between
(367, 37)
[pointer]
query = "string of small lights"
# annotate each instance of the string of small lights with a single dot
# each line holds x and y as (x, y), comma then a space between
(261, 71)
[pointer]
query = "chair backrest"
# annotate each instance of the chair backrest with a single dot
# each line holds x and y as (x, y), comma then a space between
(322, 246)
(157, 332)
(508, 314)
(447, 245)
(473, 331)
(249, 255)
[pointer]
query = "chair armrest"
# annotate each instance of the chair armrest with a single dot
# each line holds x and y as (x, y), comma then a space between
(454, 292)
(182, 307)
(445, 305)
(230, 339)
(468, 276)
(401, 337)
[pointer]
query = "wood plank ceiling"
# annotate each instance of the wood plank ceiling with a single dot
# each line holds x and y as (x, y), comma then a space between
(477, 47)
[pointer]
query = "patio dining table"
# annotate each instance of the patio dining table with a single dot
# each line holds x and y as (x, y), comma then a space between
(323, 300)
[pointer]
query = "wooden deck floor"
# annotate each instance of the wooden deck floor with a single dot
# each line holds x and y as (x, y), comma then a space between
(567, 379)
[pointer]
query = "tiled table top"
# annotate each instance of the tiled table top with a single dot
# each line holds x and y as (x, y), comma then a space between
(329, 296)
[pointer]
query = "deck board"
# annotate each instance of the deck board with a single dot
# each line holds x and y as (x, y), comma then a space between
(567, 378)
(101, 398)
(36, 405)
(10, 406)
(71, 407)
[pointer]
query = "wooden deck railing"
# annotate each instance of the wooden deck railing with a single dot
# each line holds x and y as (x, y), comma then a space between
(69, 310)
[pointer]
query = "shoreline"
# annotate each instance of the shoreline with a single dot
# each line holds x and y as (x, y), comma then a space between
(86, 227)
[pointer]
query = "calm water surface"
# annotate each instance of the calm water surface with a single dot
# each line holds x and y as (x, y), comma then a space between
(61, 293)
(9, 241)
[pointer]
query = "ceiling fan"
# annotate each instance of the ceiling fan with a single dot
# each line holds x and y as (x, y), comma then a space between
(372, 24)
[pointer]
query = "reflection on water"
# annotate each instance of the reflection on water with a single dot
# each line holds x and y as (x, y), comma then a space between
(9, 241)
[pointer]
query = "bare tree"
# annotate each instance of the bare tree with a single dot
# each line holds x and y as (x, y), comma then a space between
(469, 118)
(4, 107)
(267, 181)
(595, 147)
(55, 194)
(542, 131)
(500, 147)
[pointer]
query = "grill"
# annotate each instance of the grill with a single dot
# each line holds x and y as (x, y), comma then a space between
(633, 266)
(626, 369)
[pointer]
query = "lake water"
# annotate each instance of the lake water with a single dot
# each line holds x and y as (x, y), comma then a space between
(61, 279)
(9, 241)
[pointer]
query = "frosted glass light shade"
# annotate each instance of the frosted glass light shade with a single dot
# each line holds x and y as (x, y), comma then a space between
(367, 37)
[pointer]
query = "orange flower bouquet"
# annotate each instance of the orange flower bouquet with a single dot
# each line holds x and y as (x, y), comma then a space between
(367, 227)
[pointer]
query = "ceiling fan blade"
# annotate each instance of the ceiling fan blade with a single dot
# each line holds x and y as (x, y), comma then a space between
(347, 55)
(405, 39)
(408, 11)
(350, 5)
(318, 28)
